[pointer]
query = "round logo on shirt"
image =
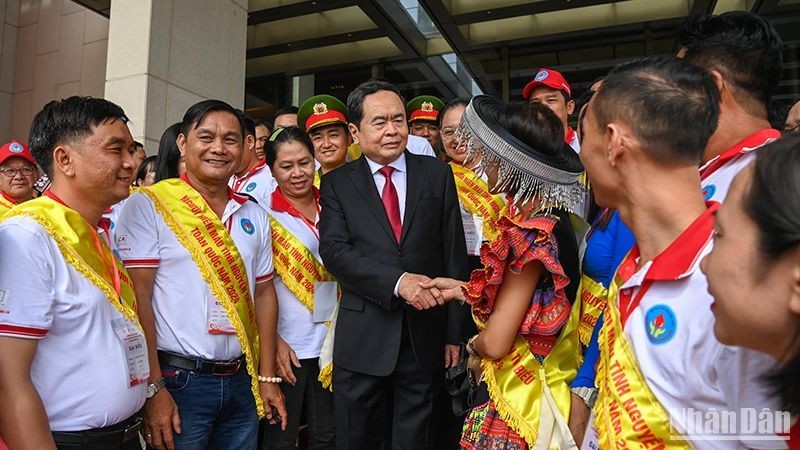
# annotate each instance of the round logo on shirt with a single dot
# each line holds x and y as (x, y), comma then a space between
(661, 324)
(15, 147)
(709, 191)
(250, 187)
(248, 226)
(541, 75)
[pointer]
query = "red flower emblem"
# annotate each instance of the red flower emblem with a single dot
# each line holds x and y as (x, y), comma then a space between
(659, 321)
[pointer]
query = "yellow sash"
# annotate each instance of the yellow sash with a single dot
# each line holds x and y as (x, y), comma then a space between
(202, 233)
(593, 298)
(5, 205)
(473, 193)
(516, 382)
(73, 235)
(627, 413)
(299, 270)
(317, 178)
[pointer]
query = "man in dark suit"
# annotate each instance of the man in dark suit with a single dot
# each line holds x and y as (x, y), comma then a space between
(389, 221)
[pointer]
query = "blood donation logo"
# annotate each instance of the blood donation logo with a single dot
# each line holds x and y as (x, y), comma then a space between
(250, 187)
(541, 75)
(709, 191)
(248, 226)
(661, 324)
(15, 147)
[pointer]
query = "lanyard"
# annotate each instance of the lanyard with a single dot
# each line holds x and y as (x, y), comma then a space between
(110, 266)
(627, 301)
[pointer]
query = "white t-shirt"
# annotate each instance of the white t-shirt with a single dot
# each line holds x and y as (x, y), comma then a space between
(180, 295)
(718, 174)
(80, 369)
(295, 322)
(419, 146)
(258, 183)
(671, 333)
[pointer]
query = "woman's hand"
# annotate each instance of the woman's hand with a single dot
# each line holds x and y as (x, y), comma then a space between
(451, 289)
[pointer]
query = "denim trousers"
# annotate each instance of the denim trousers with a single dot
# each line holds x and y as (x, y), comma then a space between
(217, 412)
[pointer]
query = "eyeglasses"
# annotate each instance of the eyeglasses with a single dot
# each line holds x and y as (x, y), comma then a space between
(11, 172)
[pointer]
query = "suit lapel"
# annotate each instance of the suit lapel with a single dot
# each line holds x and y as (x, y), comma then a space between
(364, 183)
(414, 180)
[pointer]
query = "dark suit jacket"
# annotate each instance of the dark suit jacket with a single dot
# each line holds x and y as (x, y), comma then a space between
(358, 247)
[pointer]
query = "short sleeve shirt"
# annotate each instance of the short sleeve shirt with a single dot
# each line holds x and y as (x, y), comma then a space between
(180, 296)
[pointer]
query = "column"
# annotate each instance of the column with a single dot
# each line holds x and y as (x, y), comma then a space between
(165, 55)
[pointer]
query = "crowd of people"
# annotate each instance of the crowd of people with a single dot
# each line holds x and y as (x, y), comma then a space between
(475, 274)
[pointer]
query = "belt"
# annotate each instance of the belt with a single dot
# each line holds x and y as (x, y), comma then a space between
(218, 368)
(120, 433)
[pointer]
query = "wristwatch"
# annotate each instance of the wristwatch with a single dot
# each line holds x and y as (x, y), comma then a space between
(587, 394)
(153, 388)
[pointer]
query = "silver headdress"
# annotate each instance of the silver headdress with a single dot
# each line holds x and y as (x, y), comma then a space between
(549, 182)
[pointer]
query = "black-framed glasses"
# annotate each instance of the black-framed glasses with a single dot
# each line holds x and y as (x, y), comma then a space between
(10, 172)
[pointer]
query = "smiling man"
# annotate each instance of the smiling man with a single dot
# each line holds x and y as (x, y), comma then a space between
(551, 89)
(389, 221)
(200, 257)
(17, 174)
(324, 118)
(74, 360)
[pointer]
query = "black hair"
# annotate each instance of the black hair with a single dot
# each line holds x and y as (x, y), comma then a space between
(67, 121)
(777, 112)
(671, 105)
(535, 125)
(773, 204)
(248, 123)
(454, 103)
(148, 165)
(197, 112)
(283, 111)
(137, 144)
(169, 156)
(743, 47)
(283, 136)
(264, 123)
(355, 101)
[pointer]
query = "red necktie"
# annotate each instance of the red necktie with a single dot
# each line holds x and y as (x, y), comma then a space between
(390, 203)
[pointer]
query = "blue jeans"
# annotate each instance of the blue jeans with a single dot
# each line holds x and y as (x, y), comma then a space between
(216, 412)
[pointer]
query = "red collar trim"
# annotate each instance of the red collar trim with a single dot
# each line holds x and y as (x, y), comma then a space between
(570, 135)
(240, 199)
(676, 260)
(9, 198)
(281, 204)
(747, 144)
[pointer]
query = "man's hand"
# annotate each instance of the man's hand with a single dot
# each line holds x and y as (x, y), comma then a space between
(273, 397)
(452, 355)
(414, 294)
(451, 289)
(160, 419)
(578, 418)
(286, 358)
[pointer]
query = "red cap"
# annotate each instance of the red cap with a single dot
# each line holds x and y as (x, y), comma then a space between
(549, 78)
(16, 148)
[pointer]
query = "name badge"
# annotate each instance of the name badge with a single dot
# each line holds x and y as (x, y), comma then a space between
(473, 232)
(591, 440)
(217, 318)
(325, 294)
(135, 347)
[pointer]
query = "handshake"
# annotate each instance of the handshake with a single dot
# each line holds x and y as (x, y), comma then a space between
(422, 292)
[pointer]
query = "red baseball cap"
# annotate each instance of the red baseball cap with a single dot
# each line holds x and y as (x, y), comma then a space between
(16, 148)
(549, 78)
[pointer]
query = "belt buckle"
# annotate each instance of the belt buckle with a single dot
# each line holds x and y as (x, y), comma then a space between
(225, 369)
(132, 431)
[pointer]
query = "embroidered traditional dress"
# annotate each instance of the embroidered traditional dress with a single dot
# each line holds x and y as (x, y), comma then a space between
(510, 419)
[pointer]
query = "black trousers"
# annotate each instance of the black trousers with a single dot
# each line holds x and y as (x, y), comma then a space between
(318, 402)
(368, 406)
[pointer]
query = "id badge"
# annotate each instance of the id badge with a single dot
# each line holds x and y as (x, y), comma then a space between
(218, 320)
(135, 347)
(473, 233)
(325, 293)
(591, 440)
